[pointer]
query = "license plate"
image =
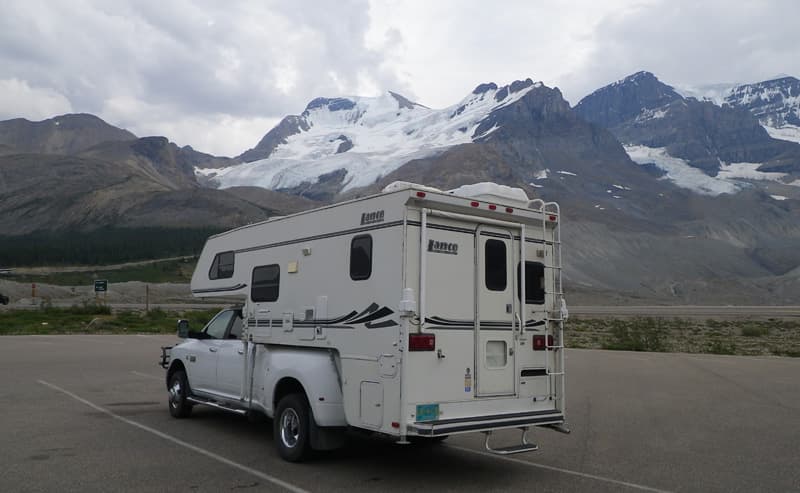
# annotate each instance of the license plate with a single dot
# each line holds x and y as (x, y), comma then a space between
(427, 412)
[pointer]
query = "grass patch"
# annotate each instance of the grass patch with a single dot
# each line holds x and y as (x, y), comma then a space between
(97, 319)
(755, 331)
(736, 337)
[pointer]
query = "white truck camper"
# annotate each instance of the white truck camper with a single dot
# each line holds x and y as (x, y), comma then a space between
(414, 313)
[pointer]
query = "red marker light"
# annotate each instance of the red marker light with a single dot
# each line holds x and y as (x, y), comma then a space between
(552, 218)
(421, 195)
(421, 342)
(539, 342)
(509, 210)
(474, 204)
(492, 207)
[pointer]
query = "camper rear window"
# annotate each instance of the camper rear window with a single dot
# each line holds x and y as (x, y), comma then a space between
(266, 281)
(361, 258)
(222, 266)
(534, 283)
(496, 274)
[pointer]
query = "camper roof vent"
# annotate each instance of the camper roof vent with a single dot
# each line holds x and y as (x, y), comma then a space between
(492, 192)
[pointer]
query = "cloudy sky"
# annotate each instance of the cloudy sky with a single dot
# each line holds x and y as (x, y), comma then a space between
(217, 75)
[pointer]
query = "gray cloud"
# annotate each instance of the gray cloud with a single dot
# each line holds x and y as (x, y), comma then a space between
(217, 75)
(694, 43)
(247, 60)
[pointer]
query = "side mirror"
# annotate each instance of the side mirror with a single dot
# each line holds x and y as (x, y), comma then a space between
(183, 328)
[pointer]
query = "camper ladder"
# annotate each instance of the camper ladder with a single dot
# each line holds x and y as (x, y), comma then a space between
(554, 315)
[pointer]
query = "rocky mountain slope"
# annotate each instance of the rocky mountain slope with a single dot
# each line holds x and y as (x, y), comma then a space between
(65, 134)
(78, 173)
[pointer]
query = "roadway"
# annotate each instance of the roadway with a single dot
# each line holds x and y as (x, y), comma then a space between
(88, 413)
(687, 311)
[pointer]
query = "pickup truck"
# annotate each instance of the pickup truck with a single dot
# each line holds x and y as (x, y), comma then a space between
(216, 367)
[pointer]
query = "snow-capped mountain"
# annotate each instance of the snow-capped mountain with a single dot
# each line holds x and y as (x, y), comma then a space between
(365, 138)
(775, 102)
(699, 145)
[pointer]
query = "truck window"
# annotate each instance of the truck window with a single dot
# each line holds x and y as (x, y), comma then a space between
(222, 266)
(266, 281)
(217, 327)
(534, 283)
(361, 257)
(496, 274)
(236, 327)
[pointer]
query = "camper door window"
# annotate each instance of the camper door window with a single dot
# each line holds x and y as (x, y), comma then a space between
(266, 283)
(361, 257)
(222, 266)
(496, 274)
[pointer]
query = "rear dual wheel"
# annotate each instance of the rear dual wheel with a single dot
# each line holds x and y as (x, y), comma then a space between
(291, 428)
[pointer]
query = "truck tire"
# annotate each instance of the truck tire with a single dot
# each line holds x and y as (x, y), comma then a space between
(178, 390)
(291, 428)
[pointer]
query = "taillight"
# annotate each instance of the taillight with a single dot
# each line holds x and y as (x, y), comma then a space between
(421, 342)
(538, 342)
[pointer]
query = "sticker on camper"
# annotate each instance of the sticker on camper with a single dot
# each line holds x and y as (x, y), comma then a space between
(468, 381)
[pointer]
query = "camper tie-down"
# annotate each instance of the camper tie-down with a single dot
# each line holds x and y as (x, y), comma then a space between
(415, 313)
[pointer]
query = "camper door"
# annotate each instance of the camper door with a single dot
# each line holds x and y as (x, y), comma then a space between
(496, 309)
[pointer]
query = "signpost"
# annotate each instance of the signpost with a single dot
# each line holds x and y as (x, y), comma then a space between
(100, 286)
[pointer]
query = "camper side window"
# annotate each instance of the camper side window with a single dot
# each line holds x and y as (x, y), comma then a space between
(266, 281)
(496, 275)
(534, 283)
(222, 266)
(361, 258)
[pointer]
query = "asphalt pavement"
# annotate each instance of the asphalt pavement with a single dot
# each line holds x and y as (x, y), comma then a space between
(88, 413)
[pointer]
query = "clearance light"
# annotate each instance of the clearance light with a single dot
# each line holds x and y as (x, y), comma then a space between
(395, 424)
(421, 195)
(421, 342)
(538, 342)
(492, 207)
(474, 204)
(552, 218)
(509, 210)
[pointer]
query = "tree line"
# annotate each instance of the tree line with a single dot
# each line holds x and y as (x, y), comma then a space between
(101, 246)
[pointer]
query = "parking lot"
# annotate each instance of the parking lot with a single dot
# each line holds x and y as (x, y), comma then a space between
(88, 413)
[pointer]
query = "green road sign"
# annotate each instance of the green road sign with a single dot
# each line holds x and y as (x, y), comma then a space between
(100, 286)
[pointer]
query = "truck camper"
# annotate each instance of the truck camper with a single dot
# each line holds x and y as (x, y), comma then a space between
(414, 313)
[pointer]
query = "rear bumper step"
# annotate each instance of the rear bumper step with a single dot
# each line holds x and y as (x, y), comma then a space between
(487, 423)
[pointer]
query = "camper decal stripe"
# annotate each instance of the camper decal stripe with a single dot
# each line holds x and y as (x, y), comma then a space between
(443, 323)
(383, 312)
(220, 290)
(368, 316)
(320, 237)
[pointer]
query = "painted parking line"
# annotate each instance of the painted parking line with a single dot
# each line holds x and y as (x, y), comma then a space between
(617, 482)
(145, 375)
(177, 441)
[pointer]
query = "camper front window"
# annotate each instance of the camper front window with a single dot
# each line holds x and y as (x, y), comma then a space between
(222, 266)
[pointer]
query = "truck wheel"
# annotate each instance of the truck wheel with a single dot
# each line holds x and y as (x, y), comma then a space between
(179, 407)
(291, 428)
